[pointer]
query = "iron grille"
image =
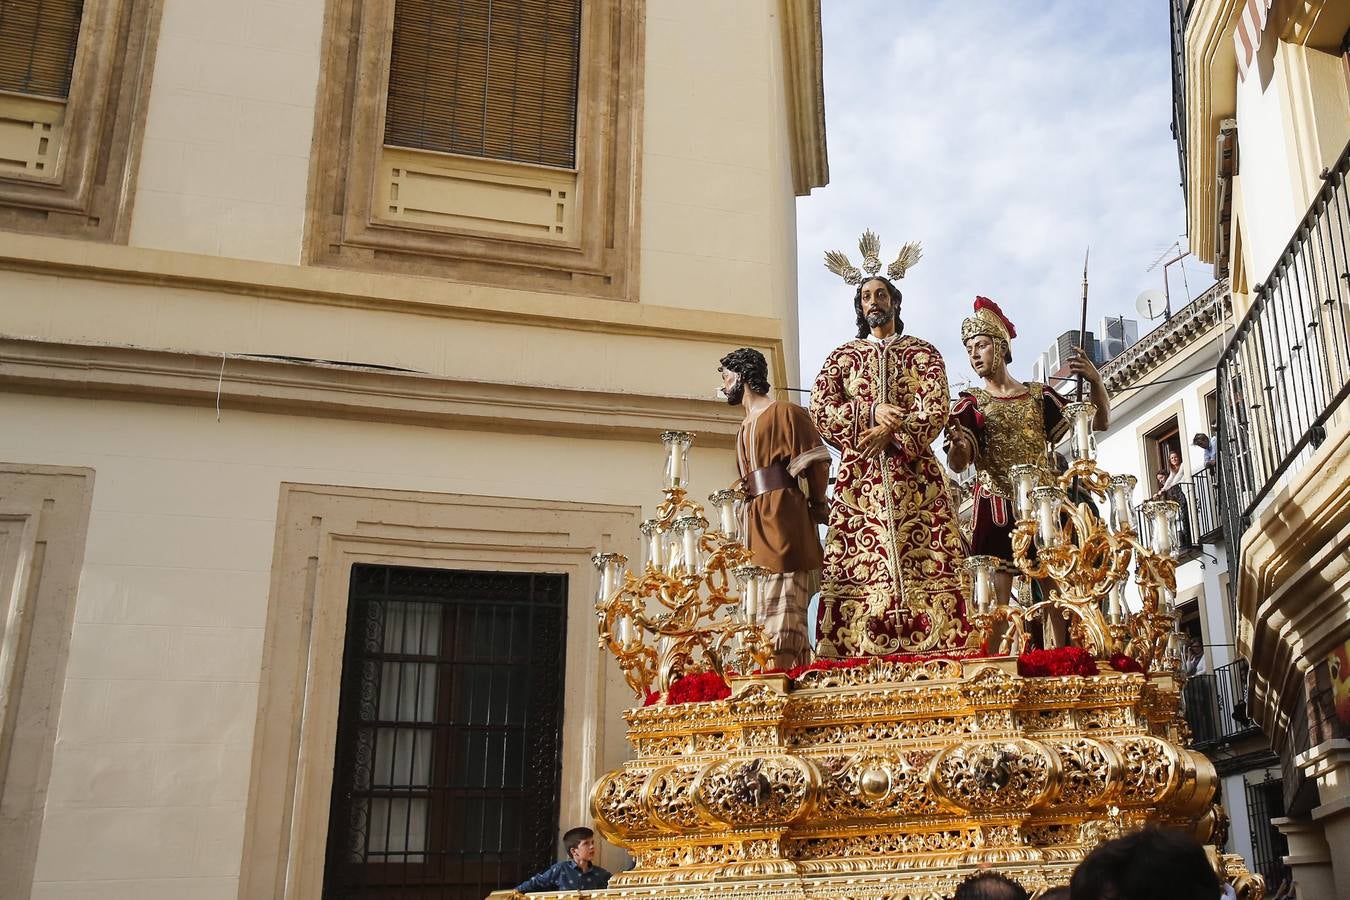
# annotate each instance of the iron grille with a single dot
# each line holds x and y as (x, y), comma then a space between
(37, 45)
(448, 763)
(1286, 371)
(1216, 706)
(1265, 801)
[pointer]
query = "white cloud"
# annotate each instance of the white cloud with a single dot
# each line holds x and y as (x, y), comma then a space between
(1007, 137)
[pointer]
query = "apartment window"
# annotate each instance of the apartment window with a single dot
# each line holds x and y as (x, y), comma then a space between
(482, 140)
(449, 740)
(491, 78)
(69, 122)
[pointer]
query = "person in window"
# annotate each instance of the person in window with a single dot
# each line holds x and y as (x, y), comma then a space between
(1171, 489)
(576, 873)
(1208, 446)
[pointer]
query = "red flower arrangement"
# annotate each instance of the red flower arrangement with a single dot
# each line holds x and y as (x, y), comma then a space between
(1057, 661)
(1122, 663)
(699, 687)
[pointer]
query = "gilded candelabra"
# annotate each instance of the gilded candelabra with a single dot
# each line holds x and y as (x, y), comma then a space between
(1082, 561)
(695, 603)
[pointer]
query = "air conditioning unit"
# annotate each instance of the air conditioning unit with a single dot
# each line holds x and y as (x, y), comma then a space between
(1117, 333)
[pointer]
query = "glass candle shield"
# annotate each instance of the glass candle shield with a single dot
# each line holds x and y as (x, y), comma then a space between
(1023, 477)
(611, 569)
(1115, 603)
(724, 501)
(981, 569)
(1122, 495)
(653, 547)
(1162, 516)
(1047, 500)
(751, 579)
(677, 458)
(688, 531)
(1080, 416)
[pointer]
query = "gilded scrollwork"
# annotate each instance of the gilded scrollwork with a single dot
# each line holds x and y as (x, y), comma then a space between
(1090, 772)
(988, 776)
(756, 791)
(669, 798)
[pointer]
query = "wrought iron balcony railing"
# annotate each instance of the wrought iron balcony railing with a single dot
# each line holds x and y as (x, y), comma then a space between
(1215, 705)
(1287, 369)
(1199, 522)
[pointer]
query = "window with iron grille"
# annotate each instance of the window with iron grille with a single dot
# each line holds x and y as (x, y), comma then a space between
(447, 772)
(37, 46)
(1265, 801)
(492, 78)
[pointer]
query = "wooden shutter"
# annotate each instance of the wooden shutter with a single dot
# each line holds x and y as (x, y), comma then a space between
(37, 45)
(493, 78)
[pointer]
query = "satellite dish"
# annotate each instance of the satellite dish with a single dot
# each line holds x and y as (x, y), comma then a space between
(1151, 303)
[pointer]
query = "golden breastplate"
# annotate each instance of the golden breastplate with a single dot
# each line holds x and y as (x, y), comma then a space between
(1014, 432)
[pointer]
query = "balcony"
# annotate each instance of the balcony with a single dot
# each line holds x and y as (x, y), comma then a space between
(1216, 706)
(1199, 522)
(1286, 372)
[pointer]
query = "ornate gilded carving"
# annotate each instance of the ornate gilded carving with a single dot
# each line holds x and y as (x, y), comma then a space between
(989, 776)
(756, 791)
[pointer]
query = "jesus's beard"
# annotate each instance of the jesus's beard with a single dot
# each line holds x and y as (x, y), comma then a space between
(879, 318)
(734, 395)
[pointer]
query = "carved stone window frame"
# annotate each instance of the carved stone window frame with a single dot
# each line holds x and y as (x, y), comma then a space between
(322, 530)
(344, 227)
(90, 192)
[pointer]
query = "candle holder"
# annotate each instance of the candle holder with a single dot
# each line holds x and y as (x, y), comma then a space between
(653, 545)
(725, 501)
(981, 569)
(677, 458)
(751, 578)
(1047, 500)
(670, 619)
(1162, 516)
(1122, 498)
(1024, 478)
(1083, 565)
(1080, 416)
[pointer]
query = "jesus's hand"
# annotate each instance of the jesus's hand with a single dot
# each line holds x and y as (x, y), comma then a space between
(874, 440)
(889, 415)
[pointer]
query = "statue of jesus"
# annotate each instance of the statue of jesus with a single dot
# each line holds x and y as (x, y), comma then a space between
(893, 580)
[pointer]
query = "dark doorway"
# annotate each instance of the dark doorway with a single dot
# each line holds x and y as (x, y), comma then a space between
(448, 763)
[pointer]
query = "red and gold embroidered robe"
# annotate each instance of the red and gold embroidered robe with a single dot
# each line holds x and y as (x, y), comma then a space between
(893, 579)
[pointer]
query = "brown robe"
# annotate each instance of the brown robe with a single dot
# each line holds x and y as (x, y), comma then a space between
(778, 530)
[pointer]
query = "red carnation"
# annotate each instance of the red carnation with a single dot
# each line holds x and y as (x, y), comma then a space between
(986, 303)
(1122, 663)
(1057, 662)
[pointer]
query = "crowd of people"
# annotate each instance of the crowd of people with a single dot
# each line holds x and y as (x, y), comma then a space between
(1151, 864)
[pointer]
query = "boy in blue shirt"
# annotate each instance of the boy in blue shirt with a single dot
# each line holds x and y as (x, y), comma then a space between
(576, 873)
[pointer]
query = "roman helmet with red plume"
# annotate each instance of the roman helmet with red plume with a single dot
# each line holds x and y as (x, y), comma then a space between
(989, 321)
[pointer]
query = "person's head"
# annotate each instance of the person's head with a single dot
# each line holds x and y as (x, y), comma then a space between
(1201, 441)
(876, 302)
(990, 886)
(988, 355)
(743, 369)
(1161, 478)
(1151, 864)
(1174, 459)
(1055, 893)
(580, 844)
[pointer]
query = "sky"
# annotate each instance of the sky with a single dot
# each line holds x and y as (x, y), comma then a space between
(1007, 136)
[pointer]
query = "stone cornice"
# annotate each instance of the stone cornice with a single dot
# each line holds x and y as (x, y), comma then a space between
(805, 85)
(1211, 95)
(1294, 581)
(370, 290)
(326, 390)
(1189, 324)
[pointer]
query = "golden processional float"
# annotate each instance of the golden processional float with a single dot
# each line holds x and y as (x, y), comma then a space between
(898, 777)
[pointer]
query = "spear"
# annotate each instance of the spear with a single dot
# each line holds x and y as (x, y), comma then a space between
(1082, 326)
